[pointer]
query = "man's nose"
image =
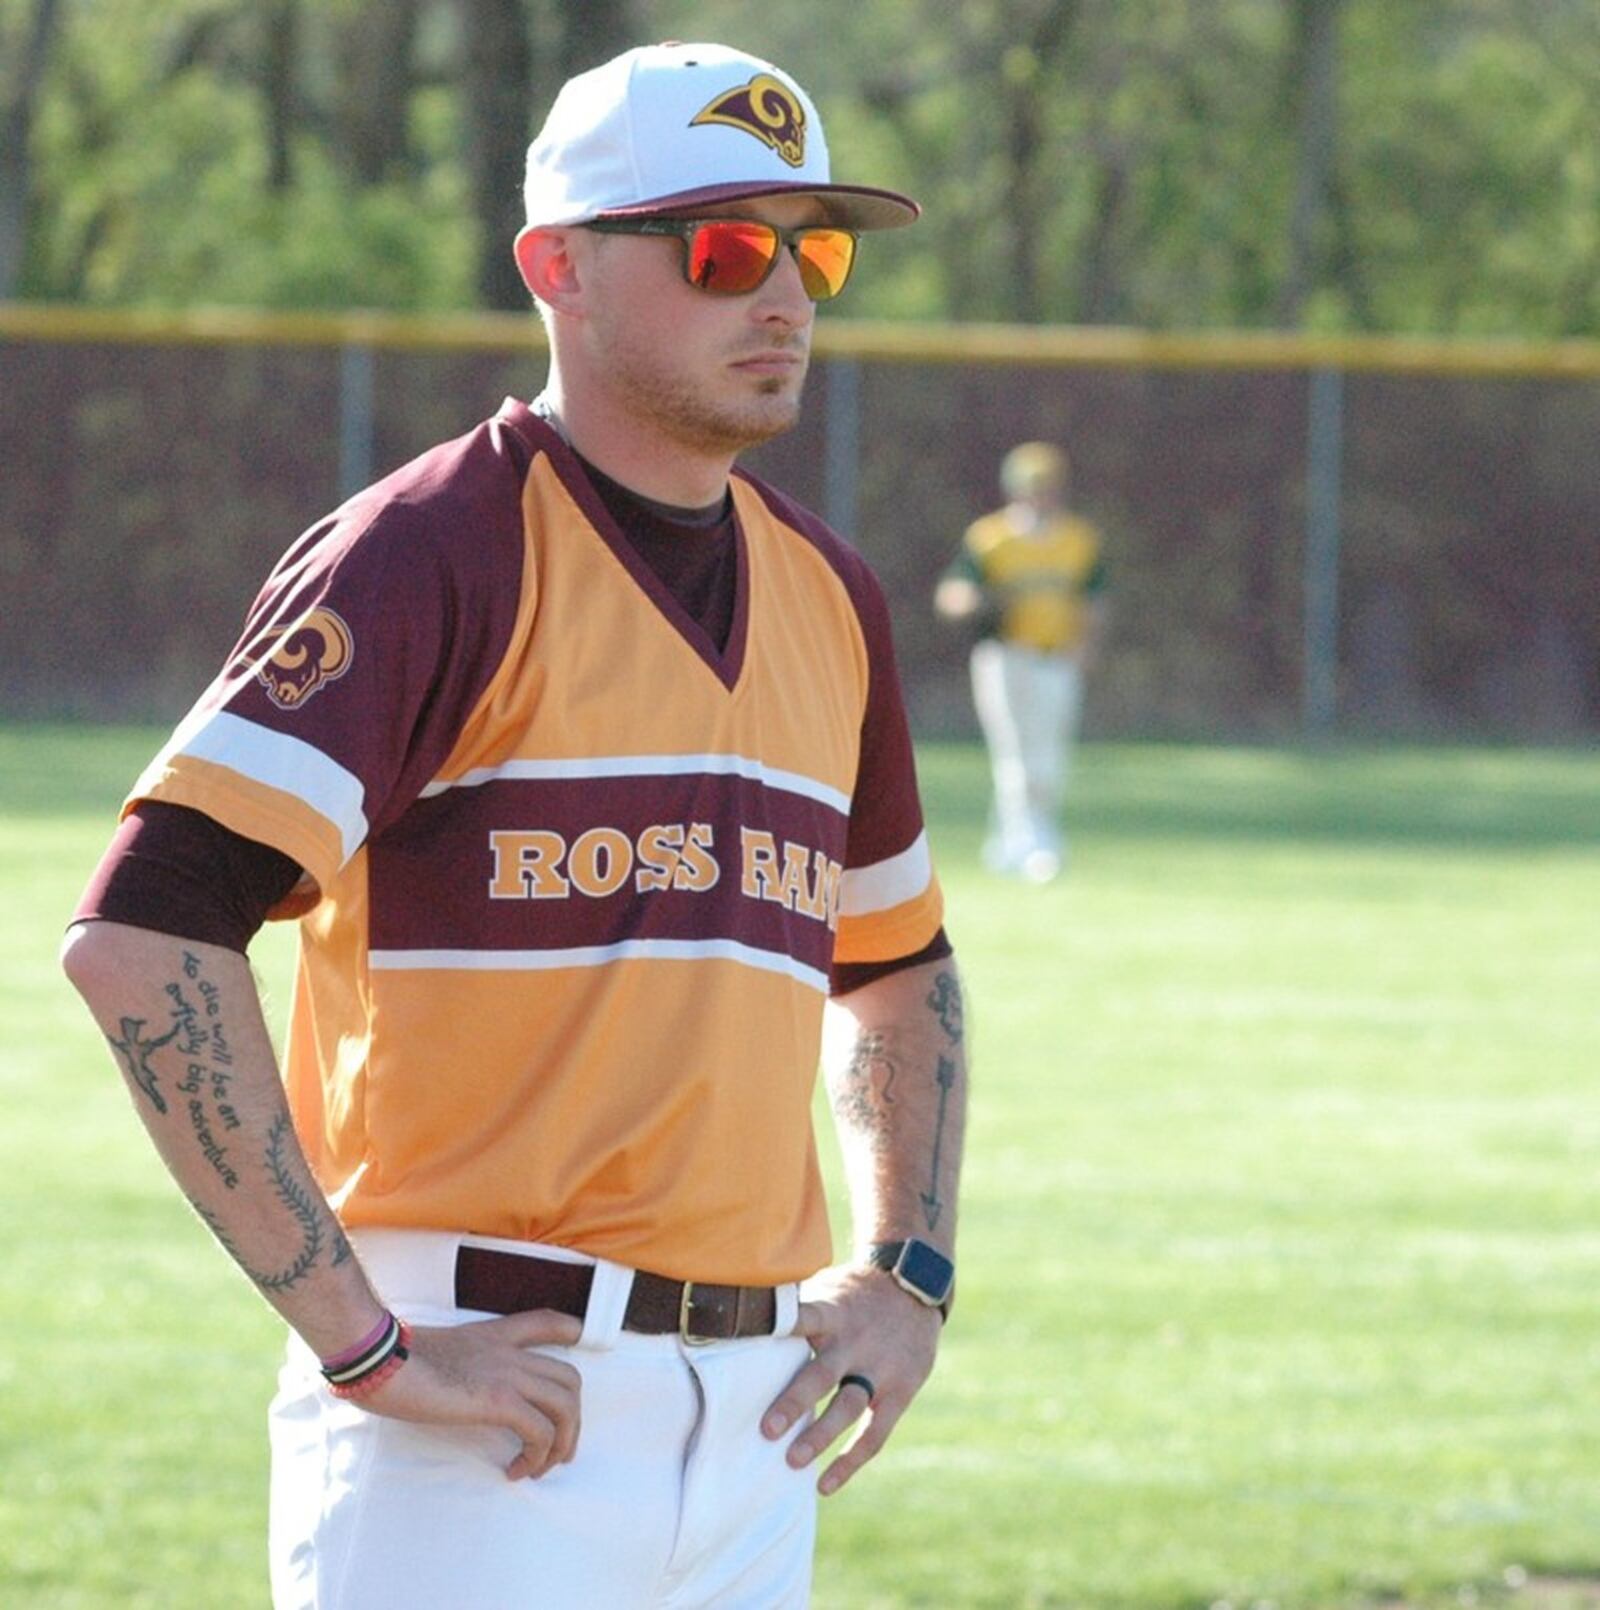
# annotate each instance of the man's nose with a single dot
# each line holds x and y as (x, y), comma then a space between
(784, 294)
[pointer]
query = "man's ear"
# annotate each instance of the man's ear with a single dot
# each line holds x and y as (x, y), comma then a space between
(549, 268)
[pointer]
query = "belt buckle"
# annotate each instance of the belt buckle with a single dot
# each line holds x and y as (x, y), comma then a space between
(690, 1337)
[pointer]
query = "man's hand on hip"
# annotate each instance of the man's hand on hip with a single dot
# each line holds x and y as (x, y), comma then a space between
(872, 1346)
(484, 1373)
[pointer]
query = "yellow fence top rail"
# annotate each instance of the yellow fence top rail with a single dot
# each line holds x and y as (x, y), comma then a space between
(1046, 346)
(1060, 346)
(457, 332)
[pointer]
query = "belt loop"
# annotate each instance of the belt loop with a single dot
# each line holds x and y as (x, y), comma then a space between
(608, 1301)
(408, 1268)
(787, 1315)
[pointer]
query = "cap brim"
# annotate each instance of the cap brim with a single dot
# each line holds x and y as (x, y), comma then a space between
(854, 206)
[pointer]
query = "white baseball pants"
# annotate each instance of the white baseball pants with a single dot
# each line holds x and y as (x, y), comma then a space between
(1028, 705)
(673, 1501)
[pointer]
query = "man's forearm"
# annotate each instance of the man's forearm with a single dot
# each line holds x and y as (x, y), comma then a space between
(896, 1068)
(184, 1023)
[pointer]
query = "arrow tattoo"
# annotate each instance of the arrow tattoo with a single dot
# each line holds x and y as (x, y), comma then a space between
(932, 1207)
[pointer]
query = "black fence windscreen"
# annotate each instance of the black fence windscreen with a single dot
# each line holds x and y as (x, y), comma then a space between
(145, 491)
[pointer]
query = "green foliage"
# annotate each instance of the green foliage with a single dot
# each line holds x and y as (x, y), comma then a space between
(1473, 184)
(154, 163)
(1127, 161)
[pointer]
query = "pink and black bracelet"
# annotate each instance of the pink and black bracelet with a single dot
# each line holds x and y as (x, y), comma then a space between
(366, 1366)
(342, 1361)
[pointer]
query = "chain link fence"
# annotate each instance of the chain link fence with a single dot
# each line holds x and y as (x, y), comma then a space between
(1360, 539)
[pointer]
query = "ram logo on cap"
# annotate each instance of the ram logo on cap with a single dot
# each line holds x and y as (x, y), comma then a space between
(767, 108)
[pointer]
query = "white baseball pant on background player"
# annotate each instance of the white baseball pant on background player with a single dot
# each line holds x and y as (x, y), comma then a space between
(673, 1501)
(1028, 705)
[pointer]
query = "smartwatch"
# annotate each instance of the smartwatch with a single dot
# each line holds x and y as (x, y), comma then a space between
(919, 1269)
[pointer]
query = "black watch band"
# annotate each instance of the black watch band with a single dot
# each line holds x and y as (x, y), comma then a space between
(919, 1269)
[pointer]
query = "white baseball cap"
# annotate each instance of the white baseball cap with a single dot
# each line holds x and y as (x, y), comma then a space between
(668, 127)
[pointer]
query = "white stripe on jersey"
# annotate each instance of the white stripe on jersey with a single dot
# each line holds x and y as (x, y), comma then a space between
(490, 961)
(791, 782)
(885, 884)
(275, 759)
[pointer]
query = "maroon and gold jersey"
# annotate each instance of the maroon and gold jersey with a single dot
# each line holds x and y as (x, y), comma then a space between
(580, 874)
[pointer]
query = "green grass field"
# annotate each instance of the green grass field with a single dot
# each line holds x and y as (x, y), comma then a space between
(1281, 1232)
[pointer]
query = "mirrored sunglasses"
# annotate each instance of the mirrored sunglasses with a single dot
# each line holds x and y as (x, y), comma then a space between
(732, 256)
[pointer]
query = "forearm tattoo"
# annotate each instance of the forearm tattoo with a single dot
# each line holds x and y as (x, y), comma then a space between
(866, 1088)
(199, 1035)
(945, 999)
(872, 1081)
(945, 1002)
(932, 1203)
(301, 1203)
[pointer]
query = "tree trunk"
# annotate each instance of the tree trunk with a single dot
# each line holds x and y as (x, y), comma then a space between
(375, 92)
(1314, 69)
(279, 85)
(496, 75)
(1098, 301)
(1019, 209)
(594, 32)
(1346, 265)
(1024, 75)
(16, 145)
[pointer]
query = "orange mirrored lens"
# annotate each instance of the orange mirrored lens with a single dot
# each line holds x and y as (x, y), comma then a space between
(731, 256)
(825, 257)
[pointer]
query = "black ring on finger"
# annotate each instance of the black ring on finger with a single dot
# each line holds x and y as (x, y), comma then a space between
(861, 1381)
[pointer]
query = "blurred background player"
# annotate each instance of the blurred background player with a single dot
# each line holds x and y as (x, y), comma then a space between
(1032, 576)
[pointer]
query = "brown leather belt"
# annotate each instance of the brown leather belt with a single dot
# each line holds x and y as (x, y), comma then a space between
(494, 1282)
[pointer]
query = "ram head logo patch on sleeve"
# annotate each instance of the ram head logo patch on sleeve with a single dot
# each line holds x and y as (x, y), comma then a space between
(766, 108)
(305, 657)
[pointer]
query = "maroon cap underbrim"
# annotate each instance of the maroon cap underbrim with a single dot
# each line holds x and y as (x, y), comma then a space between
(854, 206)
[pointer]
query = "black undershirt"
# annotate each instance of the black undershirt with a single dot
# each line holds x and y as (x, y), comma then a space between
(692, 551)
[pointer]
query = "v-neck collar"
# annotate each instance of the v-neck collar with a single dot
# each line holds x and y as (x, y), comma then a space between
(726, 663)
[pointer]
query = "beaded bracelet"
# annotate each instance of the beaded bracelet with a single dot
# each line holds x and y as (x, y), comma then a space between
(369, 1384)
(356, 1372)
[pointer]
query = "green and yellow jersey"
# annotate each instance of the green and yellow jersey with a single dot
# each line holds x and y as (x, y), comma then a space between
(1041, 581)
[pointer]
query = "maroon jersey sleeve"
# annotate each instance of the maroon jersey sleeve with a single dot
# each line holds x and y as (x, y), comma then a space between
(846, 976)
(886, 810)
(174, 870)
(363, 656)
